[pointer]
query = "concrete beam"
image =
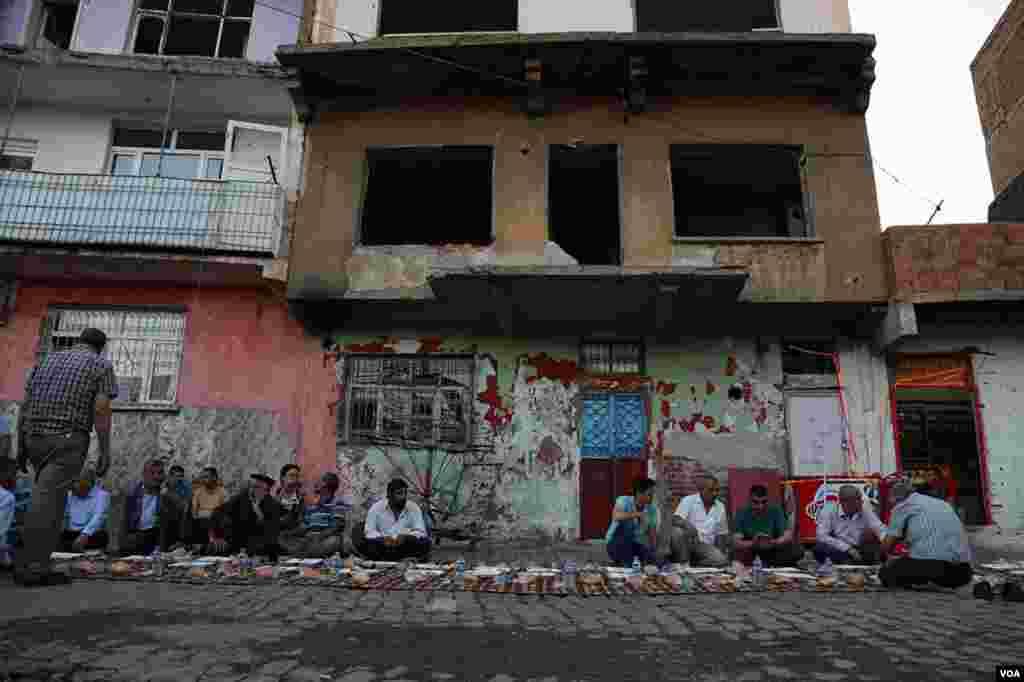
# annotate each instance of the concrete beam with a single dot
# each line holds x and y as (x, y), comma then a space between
(900, 322)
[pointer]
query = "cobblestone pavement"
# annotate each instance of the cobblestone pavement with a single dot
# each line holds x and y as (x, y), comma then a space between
(103, 630)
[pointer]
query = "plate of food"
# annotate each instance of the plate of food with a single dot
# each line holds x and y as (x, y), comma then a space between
(66, 556)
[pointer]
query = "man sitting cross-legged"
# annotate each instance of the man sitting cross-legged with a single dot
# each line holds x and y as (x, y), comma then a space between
(151, 517)
(320, 530)
(699, 528)
(395, 528)
(760, 530)
(85, 515)
(848, 533)
(249, 521)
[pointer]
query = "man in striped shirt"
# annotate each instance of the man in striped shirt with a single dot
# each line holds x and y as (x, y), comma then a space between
(939, 550)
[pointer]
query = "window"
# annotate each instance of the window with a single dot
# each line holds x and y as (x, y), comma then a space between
(420, 399)
(428, 195)
(189, 154)
(614, 357)
(723, 15)
(145, 348)
(738, 191)
(18, 154)
(57, 23)
(583, 189)
(448, 16)
(797, 362)
(203, 28)
(614, 425)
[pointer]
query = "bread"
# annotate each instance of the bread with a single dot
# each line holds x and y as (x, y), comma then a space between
(197, 572)
(471, 582)
(856, 581)
(361, 580)
(826, 583)
(120, 568)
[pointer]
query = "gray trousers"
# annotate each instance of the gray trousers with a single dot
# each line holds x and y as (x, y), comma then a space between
(687, 547)
(57, 461)
(315, 544)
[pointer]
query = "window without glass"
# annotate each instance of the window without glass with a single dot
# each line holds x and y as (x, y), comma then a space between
(57, 23)
(796, 359)
(18, 154)
(204, 28)
(583, 202)
(394, 398)
(448, 16)
(145, 348)
(428, 195)
(188, 155)
(719, 16)
(738, 191)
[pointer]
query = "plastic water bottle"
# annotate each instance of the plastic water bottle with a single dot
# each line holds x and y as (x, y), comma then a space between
(158, 563)
(336, 564)
(243, 563)
(460, 571)
(825, 570)
(637, 568)
(569, 575)
(758, 572)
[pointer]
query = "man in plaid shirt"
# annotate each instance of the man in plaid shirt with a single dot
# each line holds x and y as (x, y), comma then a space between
(67, 394)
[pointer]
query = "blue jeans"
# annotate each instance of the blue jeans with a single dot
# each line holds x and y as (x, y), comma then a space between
(623, 547)
(823, 551)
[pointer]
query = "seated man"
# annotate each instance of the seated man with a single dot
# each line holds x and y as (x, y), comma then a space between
(207, 498)
(85, 515)
(178, 486)
(699, 529)
(848, 533)
(760, 530)
(321, 529)
(394, 528)
(939, 549)
(8, 477)
(250, 520)
(634, 527)
(289, 496)
(152, 518)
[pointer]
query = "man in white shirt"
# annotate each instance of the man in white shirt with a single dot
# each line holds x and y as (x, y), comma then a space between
(395, 528)
(849, 533)
(85, 515)
(699, 528)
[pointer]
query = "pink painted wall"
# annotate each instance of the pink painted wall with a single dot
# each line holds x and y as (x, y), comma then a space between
(242, 350)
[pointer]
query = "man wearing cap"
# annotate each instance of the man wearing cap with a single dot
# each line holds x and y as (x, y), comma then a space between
(67, 394)
(250, 520)
(939, 550)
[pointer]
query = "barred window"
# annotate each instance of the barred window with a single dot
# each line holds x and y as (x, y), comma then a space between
(426, 400)
(614, 357)
(145, 348)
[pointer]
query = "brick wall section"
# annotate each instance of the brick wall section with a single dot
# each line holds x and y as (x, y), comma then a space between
(998, 72)
(681, 475)
(955, 262)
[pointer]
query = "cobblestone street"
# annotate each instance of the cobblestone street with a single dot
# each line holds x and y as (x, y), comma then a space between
(102, 630)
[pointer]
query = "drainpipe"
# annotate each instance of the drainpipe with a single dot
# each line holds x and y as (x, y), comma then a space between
(986, 482)
(14, 105)
(167, 123)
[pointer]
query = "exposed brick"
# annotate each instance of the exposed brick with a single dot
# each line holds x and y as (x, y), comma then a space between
(1015, 233)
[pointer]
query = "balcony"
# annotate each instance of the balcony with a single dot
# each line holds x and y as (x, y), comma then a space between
(141, 213)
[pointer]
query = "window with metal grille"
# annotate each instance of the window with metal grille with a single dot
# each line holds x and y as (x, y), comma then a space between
(145, 348)
(612, 357)
(203, 28)
(425, 400)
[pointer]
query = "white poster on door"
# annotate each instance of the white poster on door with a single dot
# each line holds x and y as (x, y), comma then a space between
(817, 434)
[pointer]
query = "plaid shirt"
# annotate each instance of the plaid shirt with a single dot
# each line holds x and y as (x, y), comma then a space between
(60, 395)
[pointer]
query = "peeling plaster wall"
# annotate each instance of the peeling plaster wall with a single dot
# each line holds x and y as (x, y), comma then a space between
(530, 391)
(785, 271)
(1000, 381)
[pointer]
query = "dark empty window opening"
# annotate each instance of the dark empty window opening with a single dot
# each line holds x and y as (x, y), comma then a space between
(718, 16)
(796, 361)
(58, 23)
(612, 357)
(583, 202)
(428, 195)
(738, 191)
(198, 28)
(448, 16)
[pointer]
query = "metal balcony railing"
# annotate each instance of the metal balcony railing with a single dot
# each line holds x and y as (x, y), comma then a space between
(211, 216)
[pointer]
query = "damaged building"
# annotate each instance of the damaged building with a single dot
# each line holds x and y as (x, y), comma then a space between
(554, 247)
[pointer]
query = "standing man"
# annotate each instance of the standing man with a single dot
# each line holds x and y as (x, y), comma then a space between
(939, 550)
(67, 394)
(700, 531)
(761, 530)
(394, 528)
(849, 533)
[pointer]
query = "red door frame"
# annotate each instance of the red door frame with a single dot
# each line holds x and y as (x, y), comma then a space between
(979, 426)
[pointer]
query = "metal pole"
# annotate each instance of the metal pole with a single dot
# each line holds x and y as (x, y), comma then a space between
(14, 105)
(167, 123)
(938, 207)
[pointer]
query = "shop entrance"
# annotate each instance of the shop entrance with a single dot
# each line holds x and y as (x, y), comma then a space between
(938, 437)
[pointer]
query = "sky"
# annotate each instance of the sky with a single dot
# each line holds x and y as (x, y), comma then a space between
(923, 119)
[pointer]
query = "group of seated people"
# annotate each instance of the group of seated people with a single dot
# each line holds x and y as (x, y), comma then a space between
(265, 518)
(847, 533)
